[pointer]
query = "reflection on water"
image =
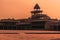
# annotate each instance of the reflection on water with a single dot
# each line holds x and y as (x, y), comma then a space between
(23, 36)
(56, 39)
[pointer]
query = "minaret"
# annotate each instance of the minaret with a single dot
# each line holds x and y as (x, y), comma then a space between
(36, 10)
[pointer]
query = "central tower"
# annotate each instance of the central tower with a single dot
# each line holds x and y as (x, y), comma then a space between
(36, 12)
(38, 20)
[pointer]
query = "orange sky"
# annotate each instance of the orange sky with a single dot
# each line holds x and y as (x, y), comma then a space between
(21, 8)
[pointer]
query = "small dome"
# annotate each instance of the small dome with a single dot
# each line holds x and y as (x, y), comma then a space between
(43, 16)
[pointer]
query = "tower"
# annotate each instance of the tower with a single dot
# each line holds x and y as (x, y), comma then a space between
(38, 20)
(36, 11)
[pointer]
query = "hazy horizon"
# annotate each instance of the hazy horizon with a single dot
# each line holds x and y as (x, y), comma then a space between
(19, 9)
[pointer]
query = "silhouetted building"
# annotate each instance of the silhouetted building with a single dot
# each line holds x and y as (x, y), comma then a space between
(37, 21)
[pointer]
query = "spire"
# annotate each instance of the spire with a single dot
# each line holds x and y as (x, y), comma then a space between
(36, 6)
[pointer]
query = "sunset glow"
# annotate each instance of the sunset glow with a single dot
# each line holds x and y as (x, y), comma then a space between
(21, 8)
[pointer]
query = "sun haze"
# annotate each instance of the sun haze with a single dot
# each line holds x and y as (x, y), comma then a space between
(21, 8)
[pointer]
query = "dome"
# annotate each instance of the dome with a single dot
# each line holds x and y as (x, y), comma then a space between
(44, 16)
(40, 16)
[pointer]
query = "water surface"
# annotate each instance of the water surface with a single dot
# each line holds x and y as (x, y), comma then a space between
(22, 36)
